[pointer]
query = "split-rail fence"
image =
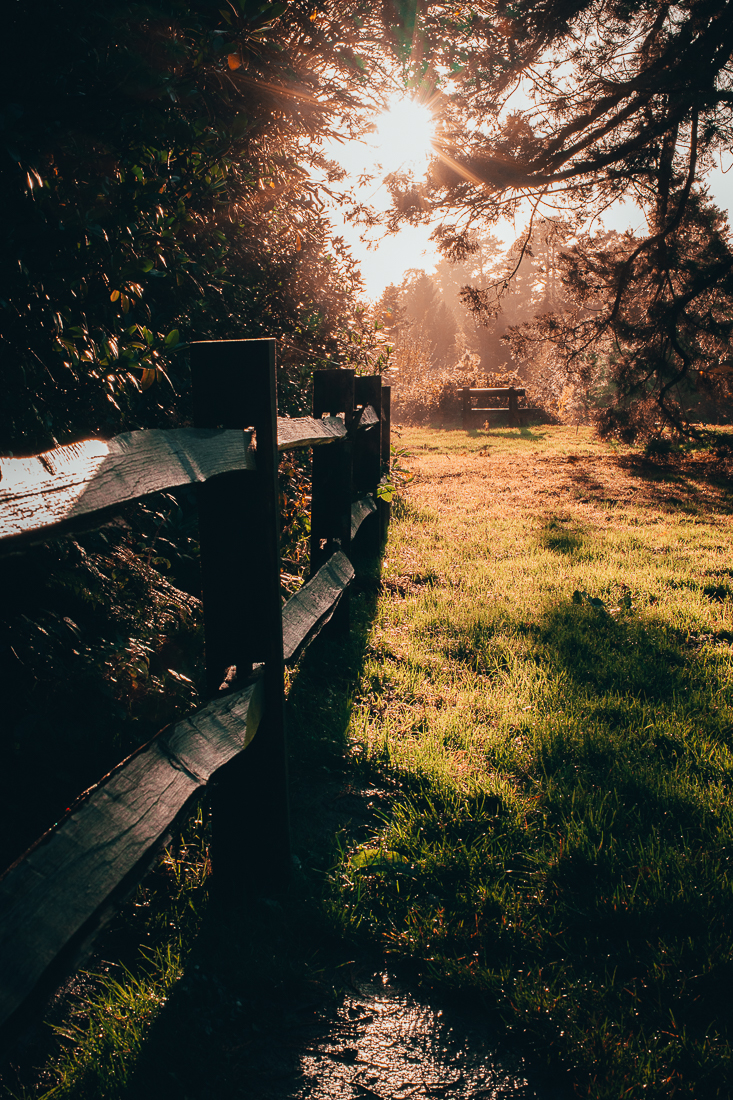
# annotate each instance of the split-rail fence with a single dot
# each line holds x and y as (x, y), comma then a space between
(57, 897)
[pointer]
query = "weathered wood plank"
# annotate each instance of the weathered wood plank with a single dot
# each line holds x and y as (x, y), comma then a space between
(383, 506)
(333, 391)
(368, 448)
(312, 606)
(53, 897)
(368, 417)
(500, 392)
(360, 510)
(50, 491)
(307, 431)
(332, 471)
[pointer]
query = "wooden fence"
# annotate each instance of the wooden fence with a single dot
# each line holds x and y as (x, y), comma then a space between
(59, 895)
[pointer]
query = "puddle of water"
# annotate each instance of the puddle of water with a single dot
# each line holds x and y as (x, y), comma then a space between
(380, 1043)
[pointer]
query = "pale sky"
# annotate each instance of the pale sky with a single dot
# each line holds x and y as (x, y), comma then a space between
(385, 259)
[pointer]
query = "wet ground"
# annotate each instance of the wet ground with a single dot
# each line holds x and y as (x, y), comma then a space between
(382, 1042)
(376, 1040)
(274, 1007)
(270, 1009)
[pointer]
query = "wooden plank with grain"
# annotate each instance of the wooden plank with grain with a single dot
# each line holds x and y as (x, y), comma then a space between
(308, 431)
(55, 896)
(368, 417)
(360, 510)
(332, 472)
(384, 506)
(368, 444)
(51, 491)
(308, 611)
(500, 392)
(333, 391)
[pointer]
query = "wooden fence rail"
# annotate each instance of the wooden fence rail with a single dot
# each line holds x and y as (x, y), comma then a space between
(57, 897)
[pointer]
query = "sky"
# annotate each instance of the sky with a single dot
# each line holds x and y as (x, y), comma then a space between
(385, 259)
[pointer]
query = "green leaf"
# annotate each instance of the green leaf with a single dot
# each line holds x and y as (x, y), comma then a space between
(172, 338)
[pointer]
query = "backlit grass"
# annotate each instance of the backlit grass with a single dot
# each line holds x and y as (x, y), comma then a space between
(550, 678)
(101, 1037)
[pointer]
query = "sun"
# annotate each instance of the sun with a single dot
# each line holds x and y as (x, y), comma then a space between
(403, 137)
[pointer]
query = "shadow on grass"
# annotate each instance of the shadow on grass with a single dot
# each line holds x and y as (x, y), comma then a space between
(598, 917)
(277, 1001)
(692, 483)
(637, 781)
(627, 654)
(524, 432)
(609, 897)
(264, 977)
(564, 536)
(609, 655)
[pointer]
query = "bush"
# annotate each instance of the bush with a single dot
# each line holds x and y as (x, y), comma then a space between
(422, 392)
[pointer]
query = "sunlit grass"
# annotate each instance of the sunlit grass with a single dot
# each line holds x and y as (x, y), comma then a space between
(550, 678)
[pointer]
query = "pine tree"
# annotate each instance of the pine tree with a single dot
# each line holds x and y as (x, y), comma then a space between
(621, 100)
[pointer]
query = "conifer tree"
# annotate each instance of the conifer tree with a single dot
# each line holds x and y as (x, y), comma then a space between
(627, 100)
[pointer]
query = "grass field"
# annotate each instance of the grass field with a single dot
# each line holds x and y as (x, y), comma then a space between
(550, 677)
(516, 776)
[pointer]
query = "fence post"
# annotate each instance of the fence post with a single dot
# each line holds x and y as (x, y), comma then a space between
(234, 386)
(384, 506)
(368, 454)
(466, 406)
(333, 392)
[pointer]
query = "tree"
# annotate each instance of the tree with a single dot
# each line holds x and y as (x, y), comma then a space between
(162, 180)
(621, 99)
(429, 316)
(487, 309)
(649, 355)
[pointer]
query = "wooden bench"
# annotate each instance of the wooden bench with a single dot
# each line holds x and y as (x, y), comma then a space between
(511, 411)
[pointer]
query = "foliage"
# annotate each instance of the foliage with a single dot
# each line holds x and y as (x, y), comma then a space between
(420, 391)
(499, 288)
(645, 338)
(102, 1036)
(164, 182)
(618, 101)
(98, 651)
(294, 475)
(429, 317)
(393, 484)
